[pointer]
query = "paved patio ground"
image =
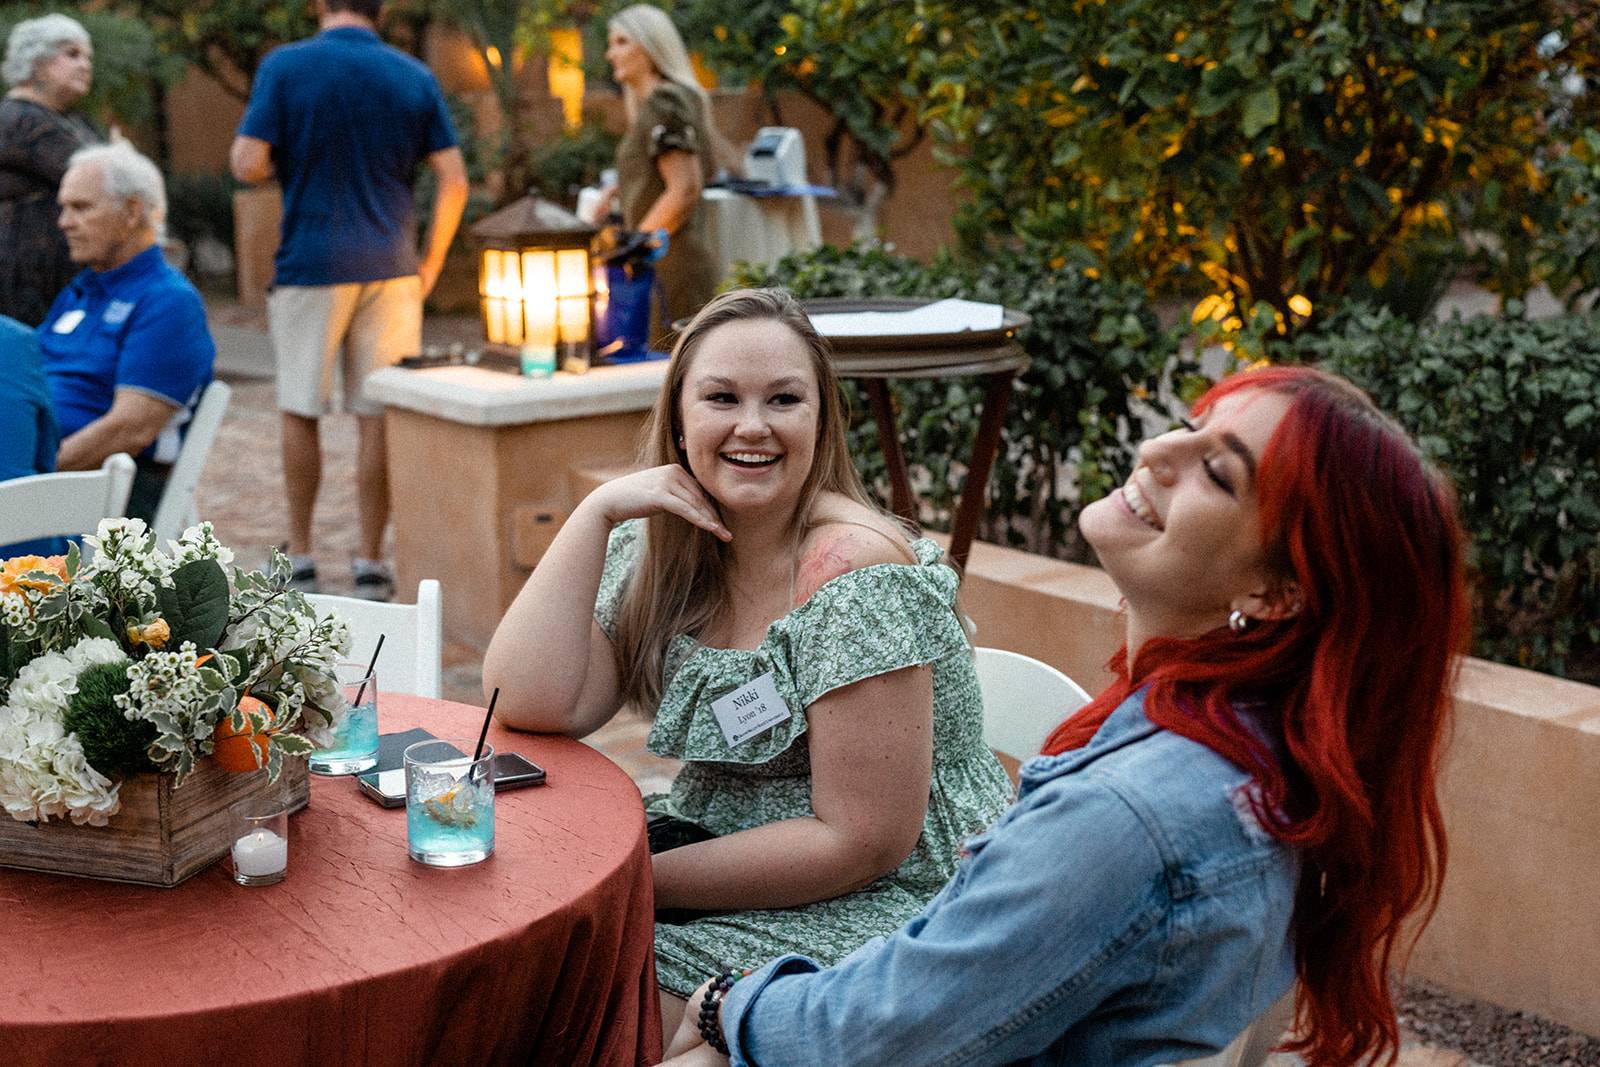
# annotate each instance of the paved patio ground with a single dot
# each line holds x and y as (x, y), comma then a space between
(241, 492)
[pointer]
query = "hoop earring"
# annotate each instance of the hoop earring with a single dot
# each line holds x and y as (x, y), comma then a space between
(1238, 621)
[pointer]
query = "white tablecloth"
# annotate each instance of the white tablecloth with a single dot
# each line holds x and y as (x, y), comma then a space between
(751, 229)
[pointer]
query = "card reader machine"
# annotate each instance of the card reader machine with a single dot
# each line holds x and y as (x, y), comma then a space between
(777, 156)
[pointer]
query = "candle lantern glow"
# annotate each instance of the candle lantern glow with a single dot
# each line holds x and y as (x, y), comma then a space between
(536, 283)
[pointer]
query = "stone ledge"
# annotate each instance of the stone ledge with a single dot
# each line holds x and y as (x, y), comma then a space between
(477, 397)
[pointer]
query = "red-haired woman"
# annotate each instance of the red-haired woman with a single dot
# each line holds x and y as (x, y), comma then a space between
(1250, 803)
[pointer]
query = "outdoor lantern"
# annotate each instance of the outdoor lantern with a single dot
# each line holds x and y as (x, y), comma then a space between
(536, 284)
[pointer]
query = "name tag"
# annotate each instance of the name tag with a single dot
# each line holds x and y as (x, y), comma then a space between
(750, 710)
(68, 321)
(117, 312)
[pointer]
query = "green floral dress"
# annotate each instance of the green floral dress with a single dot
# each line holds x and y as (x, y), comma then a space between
(864, 623)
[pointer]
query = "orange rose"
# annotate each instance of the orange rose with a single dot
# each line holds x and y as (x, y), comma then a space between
(12, 571)
(154, 634)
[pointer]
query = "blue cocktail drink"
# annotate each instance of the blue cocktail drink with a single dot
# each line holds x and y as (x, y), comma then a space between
(355, 741)
(449, 803)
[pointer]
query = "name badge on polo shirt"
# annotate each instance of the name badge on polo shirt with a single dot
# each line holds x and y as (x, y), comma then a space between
(68, 321)
(117, 312)
(750, 710)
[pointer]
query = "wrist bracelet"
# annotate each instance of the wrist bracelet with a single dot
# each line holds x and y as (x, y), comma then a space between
(711, 1009)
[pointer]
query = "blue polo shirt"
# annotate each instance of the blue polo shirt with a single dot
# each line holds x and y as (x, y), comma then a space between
(28, 437)
(350, 120)
(138, 326)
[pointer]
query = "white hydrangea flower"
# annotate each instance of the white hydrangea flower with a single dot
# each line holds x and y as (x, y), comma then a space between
(89, 796)
(22, 784)
(95, 650)
(45, 686)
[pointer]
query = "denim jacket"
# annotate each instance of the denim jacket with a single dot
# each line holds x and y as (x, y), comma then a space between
(1127, 910)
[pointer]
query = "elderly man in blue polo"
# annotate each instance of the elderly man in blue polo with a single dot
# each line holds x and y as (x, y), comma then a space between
(126, 348)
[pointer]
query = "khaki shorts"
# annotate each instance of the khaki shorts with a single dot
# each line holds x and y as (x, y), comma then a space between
(355, 328)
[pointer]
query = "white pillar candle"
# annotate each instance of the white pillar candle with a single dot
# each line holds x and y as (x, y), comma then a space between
(260, 852)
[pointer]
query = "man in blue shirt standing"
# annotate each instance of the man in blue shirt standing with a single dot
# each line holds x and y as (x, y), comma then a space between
(344, 122)
(126, 348)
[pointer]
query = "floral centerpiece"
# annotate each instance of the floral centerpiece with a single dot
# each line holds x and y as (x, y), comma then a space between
(138, 659)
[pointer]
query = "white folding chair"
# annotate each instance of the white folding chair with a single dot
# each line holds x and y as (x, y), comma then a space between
(176, 511)
(411, 646)
(1023, 700)
(64, 504)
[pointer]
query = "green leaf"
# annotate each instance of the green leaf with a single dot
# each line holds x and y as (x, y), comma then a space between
(292, 744)
(195, 606)
(94, 626)
(1260, 110)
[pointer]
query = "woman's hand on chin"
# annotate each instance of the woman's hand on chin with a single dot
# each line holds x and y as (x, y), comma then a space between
(668, 489)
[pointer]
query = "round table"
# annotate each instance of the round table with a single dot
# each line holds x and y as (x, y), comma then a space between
(541, 954)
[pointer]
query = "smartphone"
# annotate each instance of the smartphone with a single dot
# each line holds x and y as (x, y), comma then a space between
(511, 771)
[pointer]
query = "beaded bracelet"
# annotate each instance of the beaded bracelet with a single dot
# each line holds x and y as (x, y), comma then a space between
(711, 1009)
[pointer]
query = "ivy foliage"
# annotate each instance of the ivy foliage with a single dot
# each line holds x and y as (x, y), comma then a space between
(1097, 354)
(1319, 149)
(1510, 409)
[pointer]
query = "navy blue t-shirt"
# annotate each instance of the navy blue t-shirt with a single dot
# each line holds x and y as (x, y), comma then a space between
(349, 120)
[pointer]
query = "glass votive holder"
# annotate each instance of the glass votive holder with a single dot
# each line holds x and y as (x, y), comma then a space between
(449, 802)
(354, 748)
(261, 841)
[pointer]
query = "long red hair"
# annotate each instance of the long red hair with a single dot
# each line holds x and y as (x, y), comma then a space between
(1360, 677)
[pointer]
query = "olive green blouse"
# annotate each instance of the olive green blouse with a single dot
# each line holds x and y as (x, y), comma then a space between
(671, 119)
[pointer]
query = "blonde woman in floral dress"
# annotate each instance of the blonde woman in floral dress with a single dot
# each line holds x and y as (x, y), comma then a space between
(800, 655)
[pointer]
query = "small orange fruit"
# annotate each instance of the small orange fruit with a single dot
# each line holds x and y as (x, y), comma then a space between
(231, 750)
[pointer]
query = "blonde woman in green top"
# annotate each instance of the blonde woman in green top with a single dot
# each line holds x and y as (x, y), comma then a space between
(803, 658)
(666, 156)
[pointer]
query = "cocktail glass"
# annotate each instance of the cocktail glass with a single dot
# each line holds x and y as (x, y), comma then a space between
(355, 742)
(449, 802)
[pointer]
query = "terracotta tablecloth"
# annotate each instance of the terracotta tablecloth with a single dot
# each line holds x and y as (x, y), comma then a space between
(541, 954)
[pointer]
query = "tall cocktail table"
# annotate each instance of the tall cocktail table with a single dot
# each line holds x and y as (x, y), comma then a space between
(992, 355)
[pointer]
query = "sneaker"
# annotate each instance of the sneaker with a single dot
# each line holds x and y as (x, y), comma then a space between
(302, 573)
(372, 580)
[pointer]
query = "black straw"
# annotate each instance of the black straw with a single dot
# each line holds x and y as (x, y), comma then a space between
(370, 668)
(477, 753)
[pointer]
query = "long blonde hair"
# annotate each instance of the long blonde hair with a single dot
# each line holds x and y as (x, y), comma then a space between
(681, 579)
(652, 30)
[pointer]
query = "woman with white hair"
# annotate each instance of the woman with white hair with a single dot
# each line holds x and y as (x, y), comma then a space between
(667, 154)
(49, 64)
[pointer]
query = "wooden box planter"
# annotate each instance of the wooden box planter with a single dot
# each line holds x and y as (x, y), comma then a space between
(161, 836)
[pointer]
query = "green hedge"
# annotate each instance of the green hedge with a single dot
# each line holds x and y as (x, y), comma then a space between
(1071, 425)
(1509, 408)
